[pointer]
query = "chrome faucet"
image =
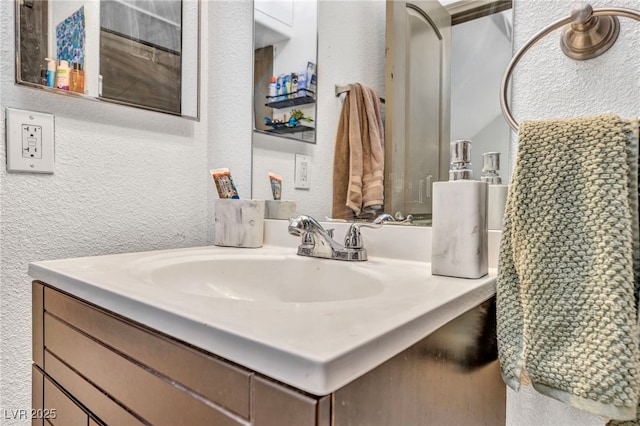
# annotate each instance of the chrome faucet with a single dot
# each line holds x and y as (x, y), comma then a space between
(319, 242)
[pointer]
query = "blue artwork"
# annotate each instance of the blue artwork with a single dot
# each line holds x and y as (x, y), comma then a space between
(70, 38)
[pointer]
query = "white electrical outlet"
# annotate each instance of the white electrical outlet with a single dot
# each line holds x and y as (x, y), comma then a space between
(303, 163)
(30, 141)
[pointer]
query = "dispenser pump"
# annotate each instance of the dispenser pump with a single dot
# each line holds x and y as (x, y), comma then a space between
(460, 161)
(490, 168)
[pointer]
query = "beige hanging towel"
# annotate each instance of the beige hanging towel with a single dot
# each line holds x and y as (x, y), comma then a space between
(358, 168)
(566, 292)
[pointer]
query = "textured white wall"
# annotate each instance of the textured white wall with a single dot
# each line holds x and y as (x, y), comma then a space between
(125, 179)
(547, 84)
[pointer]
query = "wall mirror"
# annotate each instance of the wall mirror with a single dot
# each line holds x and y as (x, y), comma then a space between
(140, 53)
(285, 63)
(351, 40)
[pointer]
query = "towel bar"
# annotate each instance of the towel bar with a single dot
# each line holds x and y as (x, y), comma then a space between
(587, 37)
(344, 89)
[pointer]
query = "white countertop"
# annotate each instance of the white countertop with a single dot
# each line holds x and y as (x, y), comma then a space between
(317, 347)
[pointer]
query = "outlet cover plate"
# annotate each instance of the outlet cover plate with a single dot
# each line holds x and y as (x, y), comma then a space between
(30, 141)
(303, 164)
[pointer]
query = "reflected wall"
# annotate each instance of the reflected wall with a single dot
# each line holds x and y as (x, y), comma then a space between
(475, 86)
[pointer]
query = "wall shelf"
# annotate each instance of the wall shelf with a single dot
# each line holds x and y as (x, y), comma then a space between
(286, 130)
(302, 100)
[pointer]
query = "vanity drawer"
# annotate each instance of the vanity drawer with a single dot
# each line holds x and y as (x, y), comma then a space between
(37, 394)
(213, 378)
(157, 399)
(68, 413)
(86, 394)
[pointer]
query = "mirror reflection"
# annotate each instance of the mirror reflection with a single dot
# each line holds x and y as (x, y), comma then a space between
(285, 64)
(351, 40)
(417, 87)
(141, 53)
(481, 51)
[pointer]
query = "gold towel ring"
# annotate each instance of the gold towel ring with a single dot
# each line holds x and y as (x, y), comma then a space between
(587, 37)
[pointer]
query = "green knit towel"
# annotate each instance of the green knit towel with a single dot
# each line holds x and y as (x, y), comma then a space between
(566, 293)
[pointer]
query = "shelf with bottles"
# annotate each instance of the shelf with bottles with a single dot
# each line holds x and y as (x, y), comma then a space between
(297, 98)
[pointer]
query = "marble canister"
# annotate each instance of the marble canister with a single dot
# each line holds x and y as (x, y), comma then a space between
(280, 209)
(239, 223)
(459, 237)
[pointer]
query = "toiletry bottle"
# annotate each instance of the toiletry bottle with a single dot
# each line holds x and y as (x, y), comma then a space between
(280, 87)
(459, 246)
(497, 195)
(77, 78)
(51, 72)
(81, 82)
(73, 78)
(63, 75)
(302, 84)
(286, 82)
(81, 79)
(294, 85)
(311, 78)
(272, 89)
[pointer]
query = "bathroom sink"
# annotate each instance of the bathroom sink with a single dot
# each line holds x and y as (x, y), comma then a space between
(269, 278)
(315, 324)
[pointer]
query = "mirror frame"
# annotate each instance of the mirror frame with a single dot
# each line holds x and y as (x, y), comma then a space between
(20, 82)
(468, 10)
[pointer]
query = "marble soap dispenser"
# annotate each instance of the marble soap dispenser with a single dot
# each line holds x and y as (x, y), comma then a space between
(459, 246)
(497, 195)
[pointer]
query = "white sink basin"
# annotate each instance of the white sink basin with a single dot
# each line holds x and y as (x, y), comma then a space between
(270, 278)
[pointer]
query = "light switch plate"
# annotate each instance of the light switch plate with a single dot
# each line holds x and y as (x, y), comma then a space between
(303, 163)
(30, 141)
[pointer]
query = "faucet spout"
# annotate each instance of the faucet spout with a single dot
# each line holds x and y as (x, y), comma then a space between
(316, 241)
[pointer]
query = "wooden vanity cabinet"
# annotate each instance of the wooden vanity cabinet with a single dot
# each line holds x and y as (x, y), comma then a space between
(95, 367)
(119, 372)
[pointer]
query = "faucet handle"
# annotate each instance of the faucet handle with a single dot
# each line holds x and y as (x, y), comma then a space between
(353, 239)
